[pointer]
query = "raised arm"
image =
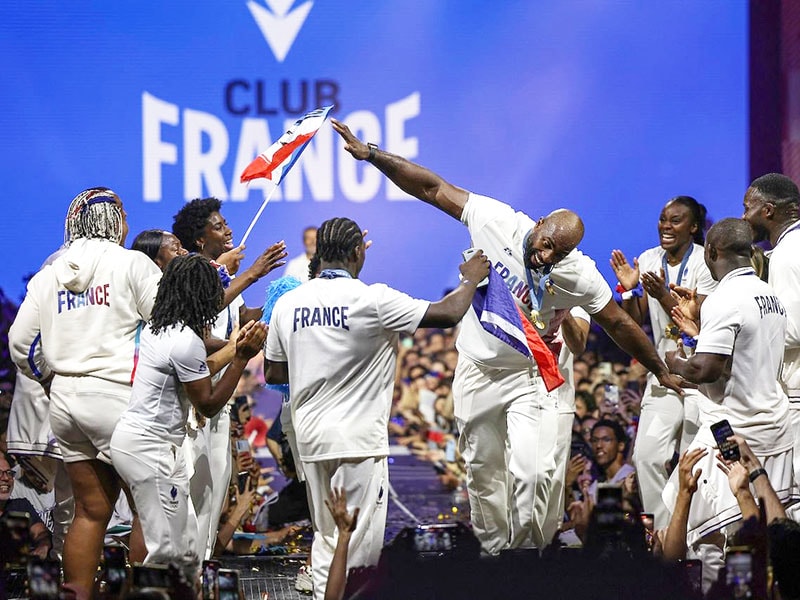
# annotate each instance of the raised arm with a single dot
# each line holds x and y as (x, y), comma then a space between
(449, 310)
(629, 336)
(408, 176)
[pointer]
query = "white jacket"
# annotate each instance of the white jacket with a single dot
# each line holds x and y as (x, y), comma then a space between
(86, 309)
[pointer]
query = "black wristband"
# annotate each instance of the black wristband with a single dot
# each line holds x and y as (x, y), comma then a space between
(373, 149)
(755, 474)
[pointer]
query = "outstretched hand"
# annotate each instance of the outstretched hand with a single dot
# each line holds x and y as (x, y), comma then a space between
(627, 276)
(358, 149)
(687, 476)
(337, 505)
(269, 260)
(232, 259)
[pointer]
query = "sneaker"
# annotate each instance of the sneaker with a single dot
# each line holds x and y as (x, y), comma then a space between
(303, 582)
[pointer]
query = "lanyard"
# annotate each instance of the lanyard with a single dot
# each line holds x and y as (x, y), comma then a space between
(536, 292)
(334, 273)
(680, 270)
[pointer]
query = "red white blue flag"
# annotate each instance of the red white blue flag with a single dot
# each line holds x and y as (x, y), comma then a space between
(279, 158)
(501, 317)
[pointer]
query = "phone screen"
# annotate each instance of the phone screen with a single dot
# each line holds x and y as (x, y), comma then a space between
(228, 584)
(739, 573)
(44, 579)
(210, 583)
(114, 561)
(151, 576)
(242, 480)
(694, 574)
(728, 448)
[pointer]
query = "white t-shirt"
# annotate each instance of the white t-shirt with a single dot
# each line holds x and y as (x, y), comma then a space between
(784, 277)
(743, 318)
(566, 391)
(298, 267)
(339, 337)
(159, 403)
(500, 232)
(695, 275)
(88, 305)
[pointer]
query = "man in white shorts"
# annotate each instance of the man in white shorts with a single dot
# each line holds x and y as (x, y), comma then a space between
(771, 208)
(87, 308)
(334, 340)
(507, 419)
(737, 362)
(668, 421)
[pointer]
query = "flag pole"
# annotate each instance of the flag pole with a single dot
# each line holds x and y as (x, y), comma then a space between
(258, 214)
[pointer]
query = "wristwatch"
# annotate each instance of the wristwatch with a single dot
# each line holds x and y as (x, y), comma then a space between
(373, 148)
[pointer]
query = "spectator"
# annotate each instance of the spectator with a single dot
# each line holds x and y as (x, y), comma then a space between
(39, 540)
(609, 445)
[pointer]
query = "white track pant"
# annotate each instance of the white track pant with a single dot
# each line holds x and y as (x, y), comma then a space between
(365, 481)
(155, 471)
(208, 451)
(509, 428)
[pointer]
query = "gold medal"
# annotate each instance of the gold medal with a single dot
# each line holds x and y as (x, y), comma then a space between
(548, 285)
(672, 331)
(537, 320)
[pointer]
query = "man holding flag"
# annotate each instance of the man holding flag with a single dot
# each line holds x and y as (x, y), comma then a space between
(501, 391)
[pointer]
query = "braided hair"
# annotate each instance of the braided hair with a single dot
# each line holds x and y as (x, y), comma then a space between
(94, 213)
(698, 216)
(190, 222)
(190, 294)
(337, 239)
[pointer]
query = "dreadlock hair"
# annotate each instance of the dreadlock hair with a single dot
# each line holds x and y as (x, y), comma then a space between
(94, 213)
(190, 294)
(313, 266)
(698, 216)
(337, 239)
(149, 242)
(190, 221)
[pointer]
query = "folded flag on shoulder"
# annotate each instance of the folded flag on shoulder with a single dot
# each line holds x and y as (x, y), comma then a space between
(500, 316)
(275, 162)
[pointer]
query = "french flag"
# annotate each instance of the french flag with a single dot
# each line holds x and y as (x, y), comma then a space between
(500, 316)
(275, 162)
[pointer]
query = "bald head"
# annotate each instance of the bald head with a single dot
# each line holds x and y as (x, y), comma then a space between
(553, 237)
(567, 228)
(731, 236)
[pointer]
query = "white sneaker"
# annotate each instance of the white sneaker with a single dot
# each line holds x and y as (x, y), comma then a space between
(303, 582)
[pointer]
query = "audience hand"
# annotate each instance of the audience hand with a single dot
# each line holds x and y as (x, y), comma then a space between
(687, 477)
(746, 457)
(269, 260)
(337, 505)
(575, 467)
(738, 479)
(627, 276)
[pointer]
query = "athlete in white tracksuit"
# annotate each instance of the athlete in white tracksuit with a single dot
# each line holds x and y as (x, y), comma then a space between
(173, 375)
(86, 308)
(668, 421)
(771, 208)
(508, 422)
(334, 339)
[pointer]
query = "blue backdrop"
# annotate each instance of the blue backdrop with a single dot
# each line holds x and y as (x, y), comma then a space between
(606, 107)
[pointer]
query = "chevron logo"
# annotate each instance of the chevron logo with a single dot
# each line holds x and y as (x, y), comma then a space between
(279, 25)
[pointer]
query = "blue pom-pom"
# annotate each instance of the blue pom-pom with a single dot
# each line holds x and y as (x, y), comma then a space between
(275, 290)
(283, 388)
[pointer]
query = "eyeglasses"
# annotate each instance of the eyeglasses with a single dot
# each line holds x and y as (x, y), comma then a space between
(604, 440)
(9, 473)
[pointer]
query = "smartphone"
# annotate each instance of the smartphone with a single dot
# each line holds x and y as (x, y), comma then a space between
(467, 254)
(151, 576)
(242, 446)
(647, 520)
(439, 468)
(210, 579)
(608, 510)
(728, 448)
(739, 572)
(115, 569)
(450, 451)
(228, 583)
(605, 369)
(612, 394)
(407, 342)
(694, 574)
(44, 579)
(241, 481)
(18, 530)
(577, 448)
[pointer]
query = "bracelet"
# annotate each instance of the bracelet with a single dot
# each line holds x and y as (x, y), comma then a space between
(373, 149)
(755, 474)
(636, 292)
(688, 341)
